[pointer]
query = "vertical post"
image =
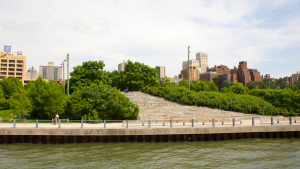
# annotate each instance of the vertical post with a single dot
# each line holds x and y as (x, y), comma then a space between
(272, 121)
(193, 123)
(149, 123)
(36, 123)
(82, 124)
(213, 122)
(68, 75)
(14, 123)
(127, 124)
(171, 123)
(188, 73)
(291, 121)
(253, 122)
(233, 122)
(59, 124)
(104, 123)
(63, 63)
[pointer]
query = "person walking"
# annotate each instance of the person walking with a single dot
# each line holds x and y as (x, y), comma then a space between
(56, 118)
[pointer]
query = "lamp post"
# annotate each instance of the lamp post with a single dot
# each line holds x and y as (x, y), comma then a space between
(63, 65)
(189, 66)
(68, 75)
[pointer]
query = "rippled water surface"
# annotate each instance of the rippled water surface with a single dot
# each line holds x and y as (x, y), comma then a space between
(247, 153)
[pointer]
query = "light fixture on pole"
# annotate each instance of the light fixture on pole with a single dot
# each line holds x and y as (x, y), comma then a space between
(63, 65)
(68, 74)
(189, 67)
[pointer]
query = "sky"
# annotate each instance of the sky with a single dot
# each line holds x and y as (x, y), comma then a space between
(265, 33)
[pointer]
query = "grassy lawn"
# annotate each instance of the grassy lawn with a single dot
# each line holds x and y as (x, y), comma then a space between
(4, 114)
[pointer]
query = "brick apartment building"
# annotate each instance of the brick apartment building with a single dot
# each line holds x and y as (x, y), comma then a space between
(242, 73)
(194, 73)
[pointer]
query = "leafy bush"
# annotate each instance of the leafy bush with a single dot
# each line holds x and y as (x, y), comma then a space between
(241, 103)
(100, 102)
(286, 99)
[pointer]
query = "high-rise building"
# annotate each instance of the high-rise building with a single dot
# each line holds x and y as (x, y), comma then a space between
(296, 76)
(121, 66)
(12, 65)
(203, 61)
(192, 76)
(161, 71)
(32, 74)
(51, 72)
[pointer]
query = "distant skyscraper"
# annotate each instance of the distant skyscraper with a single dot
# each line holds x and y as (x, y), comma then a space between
(161, 71)
(51, 72)
(203, 60)
(121, 66)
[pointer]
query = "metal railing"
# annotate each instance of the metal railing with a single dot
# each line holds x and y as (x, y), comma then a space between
(172, 123)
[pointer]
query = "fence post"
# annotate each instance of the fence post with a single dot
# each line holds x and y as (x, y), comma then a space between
(233, 121)
(14, 123)
(291, 121)
(213, 122)
(59, 124)
(171, 124)
(272, 121)
(149, 123)
(82, 124)
(104, 123)
(36, 123)
(253, 122)
(127, 124)
(193, 124)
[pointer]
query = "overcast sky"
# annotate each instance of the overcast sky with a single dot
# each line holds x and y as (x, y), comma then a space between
(264, 33)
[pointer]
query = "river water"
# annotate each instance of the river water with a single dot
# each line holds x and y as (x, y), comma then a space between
(246, 153)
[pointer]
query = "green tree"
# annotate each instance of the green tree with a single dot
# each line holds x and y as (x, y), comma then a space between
(183, 83)
(238, 88)
(87, 73)
(282, 83)
(165, 81)
(100, 101)
(254, 84)
(226, 83)
(20, 103)
(268, 83)
(46, 98)
(10, 86)
(217, 80)
(137, 75)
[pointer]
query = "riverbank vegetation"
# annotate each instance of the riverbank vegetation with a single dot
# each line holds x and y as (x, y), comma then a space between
(95, 95)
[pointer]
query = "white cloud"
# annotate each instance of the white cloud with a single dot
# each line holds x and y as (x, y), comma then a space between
(153, 32)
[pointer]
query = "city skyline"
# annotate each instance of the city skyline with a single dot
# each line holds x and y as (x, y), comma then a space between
(266, 34)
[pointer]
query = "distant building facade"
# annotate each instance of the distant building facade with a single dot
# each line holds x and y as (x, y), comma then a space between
(161, 71)
(296, 76)
(197, 66)
(12, 66)
(241, 73)
(121, 66)
(51, 72)
(203, 61)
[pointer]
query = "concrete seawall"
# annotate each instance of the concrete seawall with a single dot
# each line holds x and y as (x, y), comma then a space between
(56, 136)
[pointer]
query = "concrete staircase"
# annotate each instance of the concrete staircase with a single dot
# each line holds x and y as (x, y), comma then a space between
(155, 108)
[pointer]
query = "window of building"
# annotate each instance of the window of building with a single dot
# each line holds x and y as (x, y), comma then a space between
(20, 74)
(12, 61)
(3, 73)
(20, 70)
(3, 60)
(19, 66)
(11, 69)
(11, 73)
(4, 65)
(19, 61)
(3, 69)
(11, 65)
(1, 77)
